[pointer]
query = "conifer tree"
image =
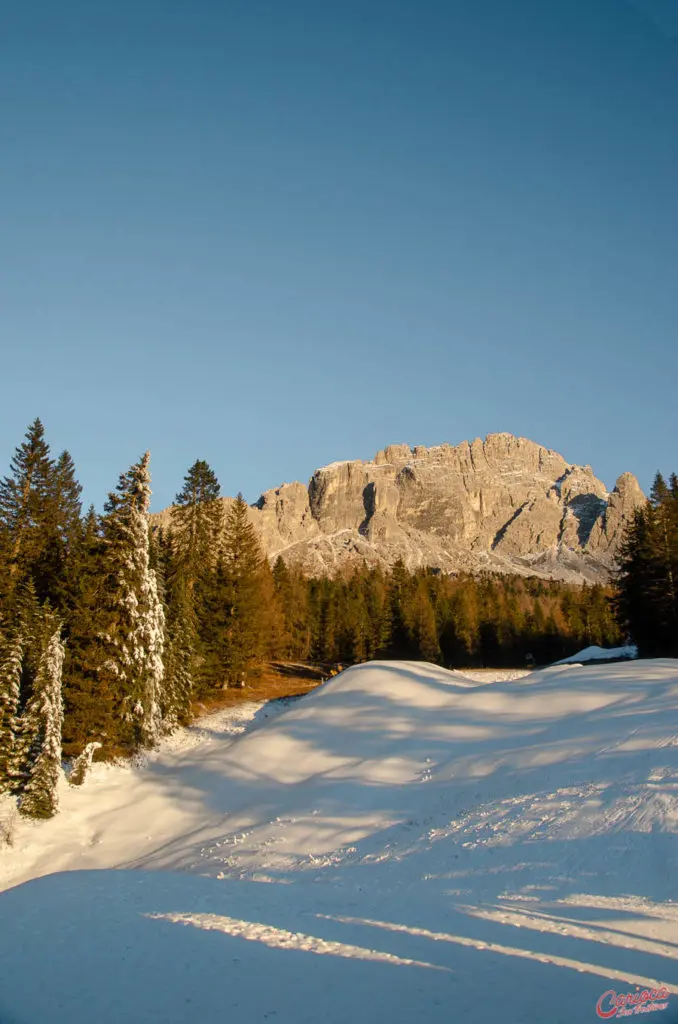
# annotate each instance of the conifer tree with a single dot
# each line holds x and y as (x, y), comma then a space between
(12, 646)
(464, 617)
(39, 519)
(356, 647)
(179, 654)
(69, 496)
(197, 525)
(214, 668)
(191, 553)
(400, 586)
(178, 687)
(27, 638)
(90, 693)
(292, 634)
(248, 594)
(326, 633)
(632, 582)
(62, 528)
(665, 593)
(134, 636)
(378, 612)
(647, 591)
(41, 725)
(23, 503)
(422, 624)
(282, 581)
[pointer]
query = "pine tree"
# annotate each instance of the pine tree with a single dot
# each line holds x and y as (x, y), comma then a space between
(464, 621)
(197, 524)
(214, 667)
(401, 589)
(572, 614)
(39, 520)
(326, 632)
(356, 644)
(69, 496)
(292, 629)
(90, 694)
(178, 686)
(665, 591)
(134, 637)
(422, 624)
(248, 594)
(12, 647)
(182, 657)
(41, 725)
(62, 529)
(25, 644)
(284, 638)
(634, 560)
(647, 590)
(23, 503)
(192, 550)
(378, 612)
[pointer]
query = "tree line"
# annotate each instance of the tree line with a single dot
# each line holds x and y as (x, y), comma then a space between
(111, 632)
(459, 620)
(647, 595)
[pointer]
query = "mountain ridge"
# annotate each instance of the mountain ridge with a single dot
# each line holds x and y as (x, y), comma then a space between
(504, 504)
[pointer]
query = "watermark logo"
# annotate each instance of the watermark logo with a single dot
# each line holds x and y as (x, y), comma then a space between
(630, 1004)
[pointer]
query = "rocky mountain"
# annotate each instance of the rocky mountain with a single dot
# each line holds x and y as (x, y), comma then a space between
(504, 504)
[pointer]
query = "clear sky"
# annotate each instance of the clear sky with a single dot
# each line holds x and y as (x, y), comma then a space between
(276, 233)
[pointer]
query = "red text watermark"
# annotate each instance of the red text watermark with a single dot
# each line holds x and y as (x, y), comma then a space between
(630, 1004)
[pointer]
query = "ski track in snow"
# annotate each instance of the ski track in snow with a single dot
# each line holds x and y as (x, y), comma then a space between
(403, 843)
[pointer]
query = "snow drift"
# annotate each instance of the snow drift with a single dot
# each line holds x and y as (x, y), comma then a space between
(403, 843)
(595, 653)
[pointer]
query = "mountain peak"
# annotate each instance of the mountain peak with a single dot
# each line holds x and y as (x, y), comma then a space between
(503, 504)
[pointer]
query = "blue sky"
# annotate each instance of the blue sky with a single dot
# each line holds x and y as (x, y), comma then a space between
(277, 234)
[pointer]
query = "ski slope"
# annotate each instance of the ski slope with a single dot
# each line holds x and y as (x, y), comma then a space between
(403, 844)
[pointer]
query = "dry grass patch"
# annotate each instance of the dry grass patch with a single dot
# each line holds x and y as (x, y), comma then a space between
(279, 679)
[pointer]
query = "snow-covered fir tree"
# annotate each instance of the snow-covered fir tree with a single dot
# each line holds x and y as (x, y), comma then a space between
(133, 638)
(11, 658)
(41, 726)
(178, 683)
(21, 651)
(83, 764)
(149, 643)
(181, 655)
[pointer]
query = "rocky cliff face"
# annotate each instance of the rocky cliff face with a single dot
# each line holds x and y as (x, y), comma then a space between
(504, 504)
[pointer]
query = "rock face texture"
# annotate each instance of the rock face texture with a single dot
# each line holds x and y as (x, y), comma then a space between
(504, 504)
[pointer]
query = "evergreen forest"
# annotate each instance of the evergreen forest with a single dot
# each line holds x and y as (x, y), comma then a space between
(647, 584)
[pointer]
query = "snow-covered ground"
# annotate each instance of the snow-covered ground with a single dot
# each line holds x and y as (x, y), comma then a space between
(492, 675)
(595, 653)
(405, 843)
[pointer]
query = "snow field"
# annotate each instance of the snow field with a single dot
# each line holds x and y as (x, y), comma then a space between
(404, 843)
